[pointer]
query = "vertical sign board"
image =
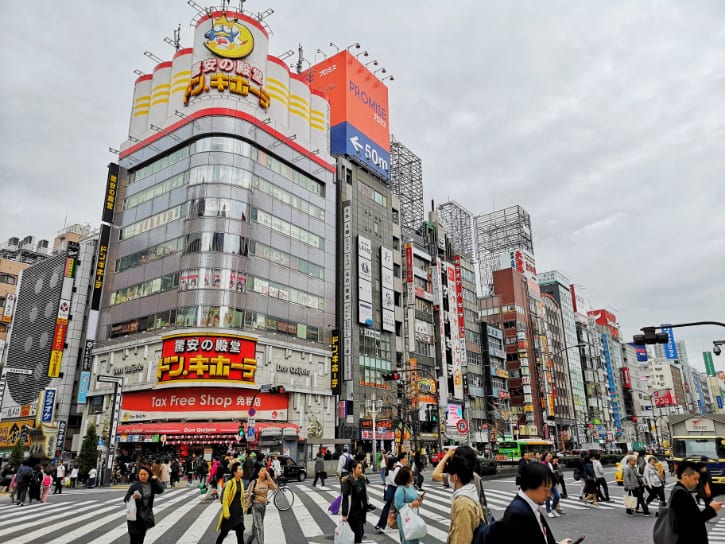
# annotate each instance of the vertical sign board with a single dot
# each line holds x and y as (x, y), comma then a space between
(110, 200)
(8, 308)
(83, 384)
(335, 383)
(46, 407)
(347, 292)
(101, 256)
(364, 278)
(709, 366)
(409, 274)
(387, 292)
(670, 347)
(60, 441)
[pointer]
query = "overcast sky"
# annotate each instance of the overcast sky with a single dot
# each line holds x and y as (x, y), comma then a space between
(604, 120)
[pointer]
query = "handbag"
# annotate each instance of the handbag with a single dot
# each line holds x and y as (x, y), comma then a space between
(131, 509)
(393, 517)
(412, 524)
(334, 507)
(248, 527)
(630, 501)
(323, 474)
(344, 534)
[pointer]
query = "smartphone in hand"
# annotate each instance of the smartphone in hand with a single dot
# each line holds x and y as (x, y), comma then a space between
(580, 539)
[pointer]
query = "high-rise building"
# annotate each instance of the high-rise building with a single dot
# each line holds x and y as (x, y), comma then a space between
(223, 253)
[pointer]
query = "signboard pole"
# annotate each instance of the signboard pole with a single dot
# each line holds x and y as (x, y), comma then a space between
(113, 424)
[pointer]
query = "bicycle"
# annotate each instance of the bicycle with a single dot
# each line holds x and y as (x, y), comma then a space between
(282, 497)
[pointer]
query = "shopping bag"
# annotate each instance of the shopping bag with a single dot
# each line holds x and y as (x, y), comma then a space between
(413, 525)
(131, 509)
(392, 517)
(344, 534)
(248, 527)
(334, 507)
(630, 501)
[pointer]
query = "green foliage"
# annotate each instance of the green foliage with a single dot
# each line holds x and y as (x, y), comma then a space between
(17, 454)
(88, 456)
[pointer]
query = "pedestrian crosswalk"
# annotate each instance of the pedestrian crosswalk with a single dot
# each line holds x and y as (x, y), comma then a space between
(181, 518)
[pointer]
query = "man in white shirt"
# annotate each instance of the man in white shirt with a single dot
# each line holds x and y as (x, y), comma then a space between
(59, 477)
(601, 479)
(342, 462)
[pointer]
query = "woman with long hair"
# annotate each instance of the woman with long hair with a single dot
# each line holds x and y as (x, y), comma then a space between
(142, 491)
(232, 514)
(355, 500)
(257, 495)
(405, 494)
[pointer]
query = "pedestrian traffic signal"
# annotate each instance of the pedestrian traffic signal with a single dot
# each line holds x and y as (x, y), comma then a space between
(241, 430)
(391, 376)
(277, 390)
(650, 336)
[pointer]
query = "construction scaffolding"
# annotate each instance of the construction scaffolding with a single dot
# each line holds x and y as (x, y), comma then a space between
(496, 232)
(406, 181)
(458, 222)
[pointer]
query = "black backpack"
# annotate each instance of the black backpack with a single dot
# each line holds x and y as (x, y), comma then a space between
(350, 463)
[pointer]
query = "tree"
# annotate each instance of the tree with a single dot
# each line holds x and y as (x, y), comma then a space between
(17, 455)
(88, 457)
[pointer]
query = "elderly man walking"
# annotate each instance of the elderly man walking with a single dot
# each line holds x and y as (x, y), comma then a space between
(633, 484)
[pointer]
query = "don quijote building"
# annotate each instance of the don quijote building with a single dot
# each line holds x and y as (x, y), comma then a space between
(217, 256)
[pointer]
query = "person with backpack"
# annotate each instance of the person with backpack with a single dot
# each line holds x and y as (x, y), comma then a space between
(231, 517)
(343, 463)
(25, 474)
(688, 519)
(391, 471)
(466, 511)
(36, 482)
(523, 521)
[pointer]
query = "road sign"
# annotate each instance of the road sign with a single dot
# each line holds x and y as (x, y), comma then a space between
(250, 432)
(251, 413)
(250, 422)
(462, 426)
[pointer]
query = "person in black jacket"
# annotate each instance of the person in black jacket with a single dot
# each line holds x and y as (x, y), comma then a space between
(523, 520)
(689, 520)
(355, 500)
(142, 491)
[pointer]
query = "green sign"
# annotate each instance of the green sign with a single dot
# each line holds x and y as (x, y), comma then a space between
(709, 366)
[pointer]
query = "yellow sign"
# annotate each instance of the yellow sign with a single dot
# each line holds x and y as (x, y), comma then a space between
(229, 39)
(54, 366)
(10, 432)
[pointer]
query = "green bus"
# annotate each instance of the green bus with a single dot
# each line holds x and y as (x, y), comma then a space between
(513, 450)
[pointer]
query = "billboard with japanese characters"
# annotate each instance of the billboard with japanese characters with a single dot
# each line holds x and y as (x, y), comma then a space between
(207, 358)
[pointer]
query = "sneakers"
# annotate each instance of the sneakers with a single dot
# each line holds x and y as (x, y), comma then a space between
(551, 515)
(369, 507)
(379, 529)
(556, 514)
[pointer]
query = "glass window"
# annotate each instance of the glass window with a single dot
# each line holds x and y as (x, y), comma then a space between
(159, 164)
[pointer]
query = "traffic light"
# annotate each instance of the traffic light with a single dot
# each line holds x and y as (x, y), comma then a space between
(433, 414)
(277, 390)
(650, 336)
(391, 376)
(241, 430)
(401, 390)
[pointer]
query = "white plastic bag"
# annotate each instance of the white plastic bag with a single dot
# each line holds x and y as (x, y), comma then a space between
(413, 525)
(344, 534)
(131, 509)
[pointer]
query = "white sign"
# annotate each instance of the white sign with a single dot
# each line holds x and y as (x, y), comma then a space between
(700, 424)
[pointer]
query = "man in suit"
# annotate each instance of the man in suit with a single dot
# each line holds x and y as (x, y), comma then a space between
(523, 520)
(690, 521)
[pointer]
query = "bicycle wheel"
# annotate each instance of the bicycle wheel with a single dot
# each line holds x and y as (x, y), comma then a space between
(284, 498)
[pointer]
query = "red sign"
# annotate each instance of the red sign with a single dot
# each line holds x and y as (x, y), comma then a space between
(626, 380)
(59, 336)
(409, 263)
(462, 426)
(663, 397)
(607, 319)
(207, 357)
(459, 297)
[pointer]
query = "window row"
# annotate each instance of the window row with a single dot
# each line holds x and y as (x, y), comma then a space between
(264, 322)
(280, 194)
(285, 259)
(156, 190)
(145, 323)
(149, 255)
(372, 194)
(210, 316)
(377, 346)
(8, 278)
(223, 242)
(146, 288)
(220, 173)
(284, 292)
(287, 228)
(156, 166)
(152, 222)
(212, 278)
(218, 207)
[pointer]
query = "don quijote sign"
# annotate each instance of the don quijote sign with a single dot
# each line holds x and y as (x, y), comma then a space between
(296, 370)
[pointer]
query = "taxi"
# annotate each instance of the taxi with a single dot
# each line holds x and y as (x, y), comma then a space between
(619, 472)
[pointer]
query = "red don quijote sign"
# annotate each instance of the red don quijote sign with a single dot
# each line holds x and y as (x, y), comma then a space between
(207, 357)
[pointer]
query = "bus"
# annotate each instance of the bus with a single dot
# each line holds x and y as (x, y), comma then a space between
(512, 451)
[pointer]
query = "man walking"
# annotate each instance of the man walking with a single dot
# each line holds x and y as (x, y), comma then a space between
(319, 470)
(59, 477)
(689, 520)
(601, 480)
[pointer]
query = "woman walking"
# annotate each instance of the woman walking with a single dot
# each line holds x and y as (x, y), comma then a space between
(590, 482)
(257, 497)
(355, 500)
(406, 494)
(556, 512)
(653, 482)
(142, 491)
(47, 483)
(232, 515)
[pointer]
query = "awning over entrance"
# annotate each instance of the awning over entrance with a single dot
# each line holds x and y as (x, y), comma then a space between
(175, 431)
(221, 427)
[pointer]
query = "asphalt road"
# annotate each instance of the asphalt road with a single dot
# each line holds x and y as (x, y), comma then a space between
(97, 517)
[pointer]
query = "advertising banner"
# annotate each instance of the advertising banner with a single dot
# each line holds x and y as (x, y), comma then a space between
(47, 405)
(207, 358)
(706, 355)
(626, 380)
(663, 397)
(221, 402)
(641, 353)
(110, 197)
(9, 307)
(670, 347)
(335, 382)
(83, 384)
(101, 256)
(11, 431)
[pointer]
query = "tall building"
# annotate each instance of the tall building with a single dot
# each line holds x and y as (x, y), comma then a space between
(503, 235)
(224, 254)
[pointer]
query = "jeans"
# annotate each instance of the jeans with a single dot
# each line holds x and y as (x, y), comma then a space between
(557, 497)
(383, 521)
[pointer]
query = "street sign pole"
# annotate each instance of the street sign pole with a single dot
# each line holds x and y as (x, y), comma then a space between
(113, 424)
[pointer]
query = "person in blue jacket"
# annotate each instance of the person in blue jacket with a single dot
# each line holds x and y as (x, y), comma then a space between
(405, 494)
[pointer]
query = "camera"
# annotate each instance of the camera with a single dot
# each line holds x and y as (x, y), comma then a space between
(716, 349)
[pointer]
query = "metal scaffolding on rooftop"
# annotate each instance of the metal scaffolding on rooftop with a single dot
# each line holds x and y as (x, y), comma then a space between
(407, 183)
(458, 222)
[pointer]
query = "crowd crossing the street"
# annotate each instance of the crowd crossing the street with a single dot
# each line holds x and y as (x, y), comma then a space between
(182, 519)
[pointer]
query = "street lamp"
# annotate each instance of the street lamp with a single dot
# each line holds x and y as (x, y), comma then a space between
(372, 407)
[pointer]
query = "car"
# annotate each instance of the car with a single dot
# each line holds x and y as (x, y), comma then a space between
(291, 469)
(439, 455)
(619, 472)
